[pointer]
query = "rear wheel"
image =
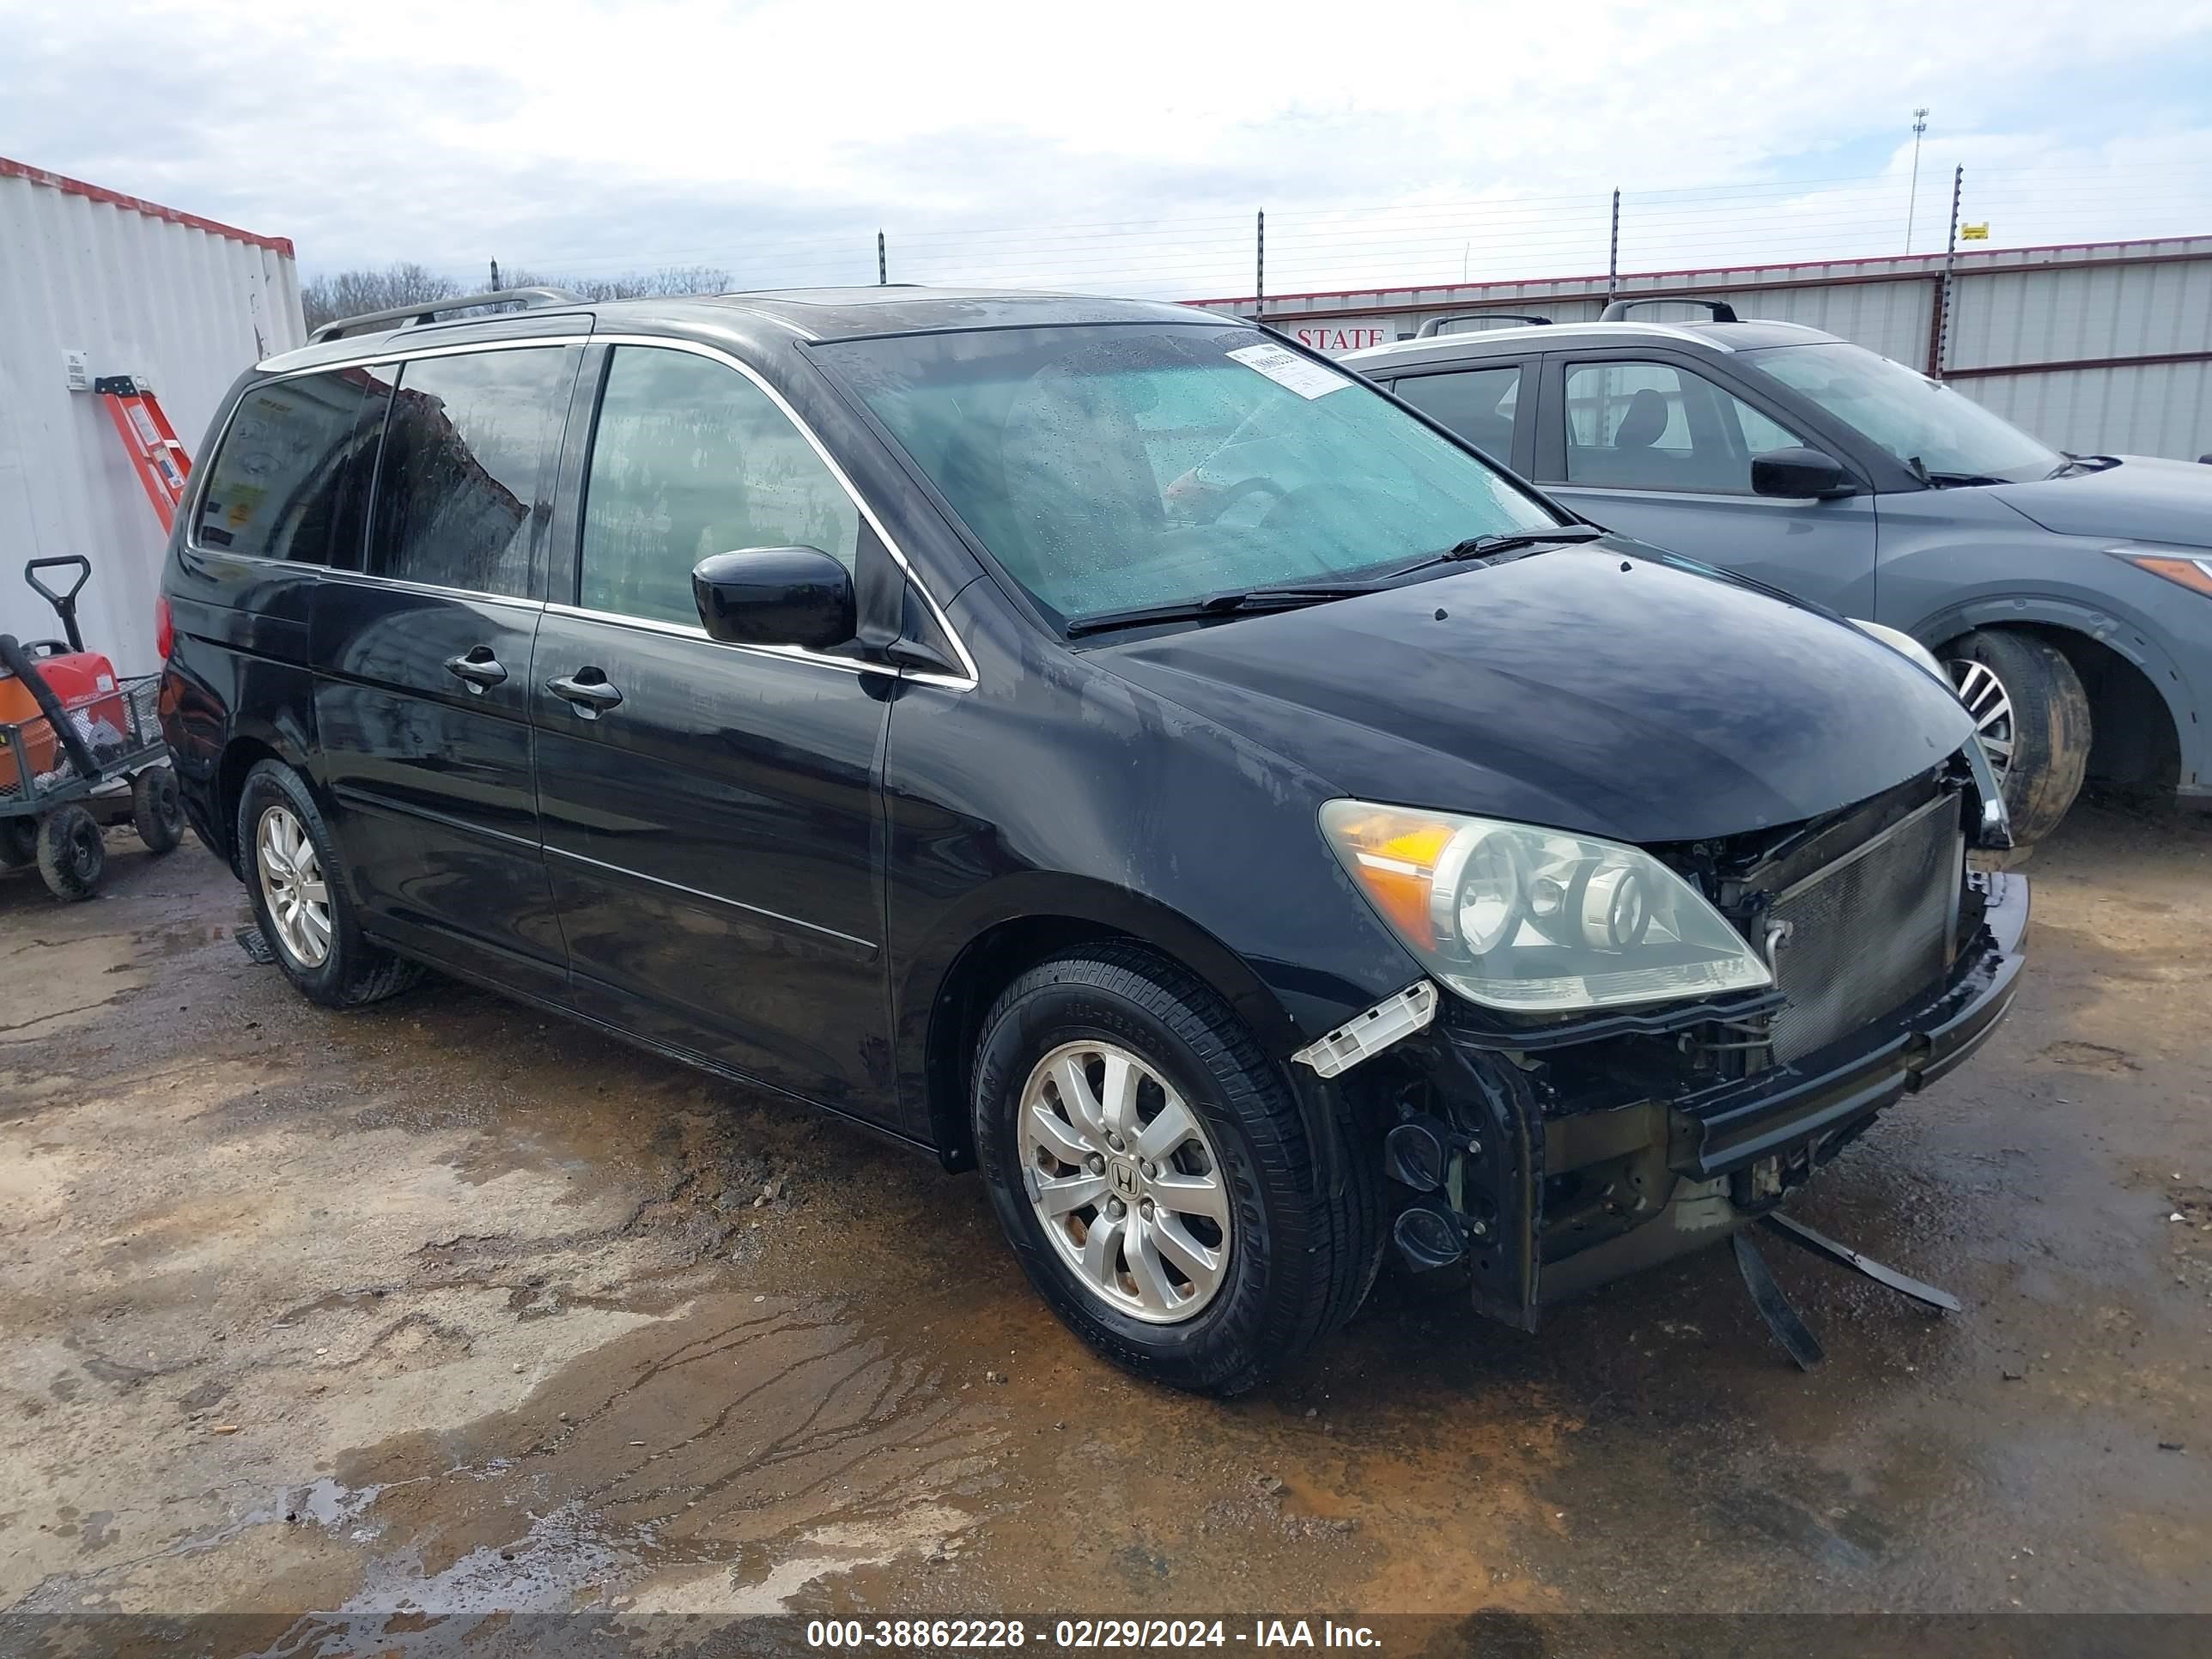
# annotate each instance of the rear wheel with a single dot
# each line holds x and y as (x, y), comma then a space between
(19, 842)
(72, 854)
(291, 877)
(1152, 1173)
(2034, 718)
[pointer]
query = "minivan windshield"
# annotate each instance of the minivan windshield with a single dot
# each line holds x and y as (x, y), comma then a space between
(1109, 468)
(1954, 438)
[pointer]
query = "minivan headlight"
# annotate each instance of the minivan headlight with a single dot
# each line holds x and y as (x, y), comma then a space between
(1537, 920)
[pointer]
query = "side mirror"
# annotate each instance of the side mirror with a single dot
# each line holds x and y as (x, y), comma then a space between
(775, 596)
(1799, 472)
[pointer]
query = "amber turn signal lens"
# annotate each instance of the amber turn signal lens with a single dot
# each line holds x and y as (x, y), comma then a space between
(2189, 573)
(1394, 856)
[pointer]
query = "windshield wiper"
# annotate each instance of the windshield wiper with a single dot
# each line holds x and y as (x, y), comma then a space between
(2073, 463)
(1483, 547)
(1284, 596)
(1947, 480)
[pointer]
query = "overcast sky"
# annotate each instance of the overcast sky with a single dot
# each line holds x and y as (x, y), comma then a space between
(1122, 145)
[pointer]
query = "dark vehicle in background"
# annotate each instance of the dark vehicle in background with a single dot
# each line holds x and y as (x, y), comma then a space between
(2070, 596)
(830, 689)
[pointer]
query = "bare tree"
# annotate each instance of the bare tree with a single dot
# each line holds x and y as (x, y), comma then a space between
(668, 281)
(350, 293)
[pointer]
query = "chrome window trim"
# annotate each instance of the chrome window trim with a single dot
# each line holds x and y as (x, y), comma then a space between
(693, 631)
(781, 652)
(369, 579)
(966, 681)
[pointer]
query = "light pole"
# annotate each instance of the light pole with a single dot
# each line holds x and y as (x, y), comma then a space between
(1912, 200)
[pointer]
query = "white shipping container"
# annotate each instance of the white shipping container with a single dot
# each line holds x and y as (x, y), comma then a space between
(125, 287)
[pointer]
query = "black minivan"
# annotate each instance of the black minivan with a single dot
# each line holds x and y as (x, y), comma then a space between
(840, 691)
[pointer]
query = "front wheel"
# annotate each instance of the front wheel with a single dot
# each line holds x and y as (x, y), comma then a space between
(1154, 1178)
(2033, 719)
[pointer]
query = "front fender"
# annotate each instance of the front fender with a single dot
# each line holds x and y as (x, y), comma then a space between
(1029, 895)
(934, 1014)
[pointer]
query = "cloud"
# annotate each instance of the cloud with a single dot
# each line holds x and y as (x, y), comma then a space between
(1122, 146)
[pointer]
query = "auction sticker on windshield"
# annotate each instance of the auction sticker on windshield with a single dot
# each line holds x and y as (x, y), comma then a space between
(1301, 375)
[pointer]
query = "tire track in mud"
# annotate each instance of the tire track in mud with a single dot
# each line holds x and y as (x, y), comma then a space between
(644, 1466)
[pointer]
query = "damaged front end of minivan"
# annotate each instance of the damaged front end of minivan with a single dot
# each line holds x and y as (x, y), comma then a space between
(1551, 1153)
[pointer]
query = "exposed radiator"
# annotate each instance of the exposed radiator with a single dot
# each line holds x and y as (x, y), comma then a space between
(1870, 930)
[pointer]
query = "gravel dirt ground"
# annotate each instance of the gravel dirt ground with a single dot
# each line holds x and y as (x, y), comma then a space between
(444, 1308)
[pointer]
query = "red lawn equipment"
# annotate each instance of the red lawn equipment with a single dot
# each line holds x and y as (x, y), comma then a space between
(79, 748)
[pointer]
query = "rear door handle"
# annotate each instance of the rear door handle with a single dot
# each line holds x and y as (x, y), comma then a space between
(590, 698)
(477, 667)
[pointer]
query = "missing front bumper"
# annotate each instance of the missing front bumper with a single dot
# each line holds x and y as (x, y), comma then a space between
(1686, 1170)
(1738, 1124)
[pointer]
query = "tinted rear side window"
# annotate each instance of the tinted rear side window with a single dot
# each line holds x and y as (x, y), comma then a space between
(1478, 404)
(466, 454)
(282, 485)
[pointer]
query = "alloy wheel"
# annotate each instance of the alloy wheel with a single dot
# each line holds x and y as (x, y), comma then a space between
(1124, 1182)
(1988, 701)
(293, 886)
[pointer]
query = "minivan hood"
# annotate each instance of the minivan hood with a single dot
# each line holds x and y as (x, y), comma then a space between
(1582, 689)
(2143, 499)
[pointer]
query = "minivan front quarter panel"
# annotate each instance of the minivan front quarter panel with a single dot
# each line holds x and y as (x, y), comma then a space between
(1068, 792)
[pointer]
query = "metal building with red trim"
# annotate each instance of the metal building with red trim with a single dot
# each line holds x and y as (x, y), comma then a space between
(94, 283)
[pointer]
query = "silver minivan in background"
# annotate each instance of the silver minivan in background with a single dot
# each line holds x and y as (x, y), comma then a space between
(2070, 597)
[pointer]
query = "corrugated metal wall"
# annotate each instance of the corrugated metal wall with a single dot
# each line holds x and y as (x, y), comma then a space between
(2104, 347)
(2162, 410)
(144, 291)
(2110, 355)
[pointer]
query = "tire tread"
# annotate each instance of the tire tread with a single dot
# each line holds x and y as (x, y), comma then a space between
(156, 813)
(57, 855)
(2051, 725)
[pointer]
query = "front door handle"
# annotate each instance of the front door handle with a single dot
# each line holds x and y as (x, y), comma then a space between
(477, 667)
(587, 692)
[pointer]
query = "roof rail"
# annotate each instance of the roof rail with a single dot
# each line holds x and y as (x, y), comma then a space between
(1435, 325)
(1619, 310)
(338, 328)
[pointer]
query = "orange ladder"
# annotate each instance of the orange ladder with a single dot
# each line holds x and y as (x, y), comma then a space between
(160, 460)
